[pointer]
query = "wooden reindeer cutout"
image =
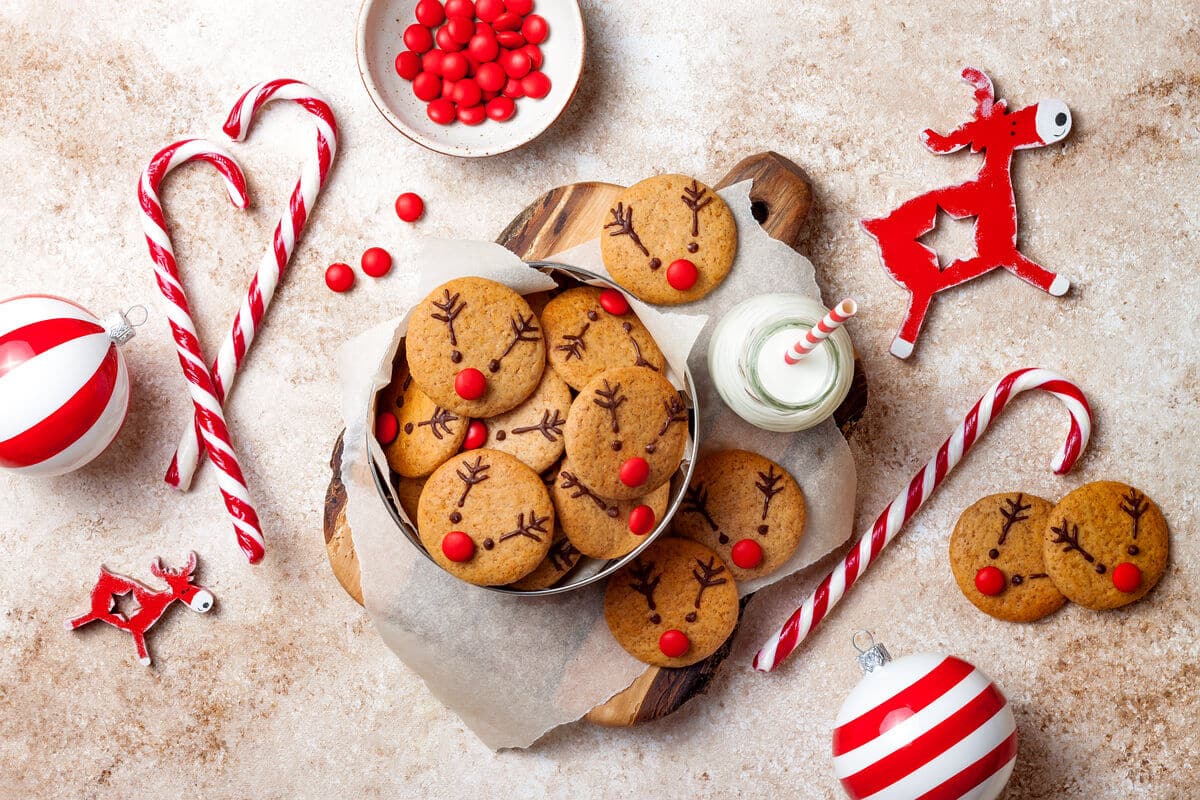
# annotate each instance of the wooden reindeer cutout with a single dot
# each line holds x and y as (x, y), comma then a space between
(989, 198)
(151, 603)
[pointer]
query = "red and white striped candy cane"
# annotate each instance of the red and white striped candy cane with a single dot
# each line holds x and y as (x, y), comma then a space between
(191, 356)
(270, 269)
(809, 615)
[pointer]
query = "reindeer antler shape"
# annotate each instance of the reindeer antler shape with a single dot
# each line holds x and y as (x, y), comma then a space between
(643, 583)
(986, 106)
(706, 576)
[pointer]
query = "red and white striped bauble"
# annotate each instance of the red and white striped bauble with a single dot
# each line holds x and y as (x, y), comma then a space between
(925, 726)
(64, 387)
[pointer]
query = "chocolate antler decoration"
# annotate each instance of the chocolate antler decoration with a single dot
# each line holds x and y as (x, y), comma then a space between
(550, 427)
(571, 481)
(474, 474)
(692, 198)
(529, 529)
(1068, 535)
(1135, 504)
(676, 412)
(610, 399)
(769, 486)
(561, 554)
(575, 345)
(695, 501)
(439, 423)
(637, 349)
(623, 224)
(1012, 515)
(643, 583)
(451, 308)
(706, 576)
(522, 329)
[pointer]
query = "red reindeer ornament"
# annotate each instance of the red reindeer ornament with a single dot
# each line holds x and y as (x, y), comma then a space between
(989, 198)
(151, 603)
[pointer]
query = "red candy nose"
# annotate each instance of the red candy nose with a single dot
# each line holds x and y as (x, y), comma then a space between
(386, 427)
(477, 434)
(990, 581)
(1127, 577)
(747, 554)
(682, 274)
(673, 643)
(634, 472)
(641, 520)
(469, 384)
(458, 547)
(614, 302)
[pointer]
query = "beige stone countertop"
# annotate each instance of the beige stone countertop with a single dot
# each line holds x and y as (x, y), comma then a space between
(285, 691)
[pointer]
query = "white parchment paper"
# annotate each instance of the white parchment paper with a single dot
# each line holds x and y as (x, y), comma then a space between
(512, 667)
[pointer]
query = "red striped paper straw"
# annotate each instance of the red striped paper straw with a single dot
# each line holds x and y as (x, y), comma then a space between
(814, 336)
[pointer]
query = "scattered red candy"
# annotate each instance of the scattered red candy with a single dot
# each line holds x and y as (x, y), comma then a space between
(427, 86)
(674, 643)
(682, 274)
(483, 47)
(537, 86)
(516, 64)
(476, 435)
(430, 13)
(747, 554)
(467, 93)
(458, 547)
(634, 471)
(614, 302)
(441, 111)
(1126, 577)
(386, 427)
(488, 10)
(472, 115)
(432, 62)
(339, 277)
(454, 66)
(410, 206)
(376, 262)
(490, 77)
(469, 384)
(534, 29)
(500, 108)
(990, 581)
(408, 64)
(641, 520)
(418, 38)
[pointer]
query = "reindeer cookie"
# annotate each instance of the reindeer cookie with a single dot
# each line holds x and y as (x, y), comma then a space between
(669, 239)
(996, 557)
(533, 431)
(560, 560)
(603, 528)
(475, 347)
(425, 433)
(626, 432)
(747, 508)
(486, 518)
(589, 330)
(673, 605)
(1105, 545)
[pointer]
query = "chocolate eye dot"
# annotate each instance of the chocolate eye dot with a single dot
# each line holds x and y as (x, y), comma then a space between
(493, 366)
(408, 427)
(456, 356)
(1099, 569)
(723, 539)
(762, 529)
(993, 553)
(592, 315)
(455, 517)
(1133, 550)
(655, 619)
(1017, 580)
(691, 617)
(655, 263)
(692, 247)
(488, 544)
(1060, 119)
(616, 446)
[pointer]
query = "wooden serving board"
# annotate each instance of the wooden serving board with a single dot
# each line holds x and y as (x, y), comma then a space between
(781, 198)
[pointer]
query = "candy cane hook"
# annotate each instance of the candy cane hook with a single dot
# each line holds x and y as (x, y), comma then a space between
(809, 615)
(187, 344)
(271, 268)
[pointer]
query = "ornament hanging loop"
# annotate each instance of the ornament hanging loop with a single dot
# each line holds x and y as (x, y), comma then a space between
(872, 655)
(120, 325)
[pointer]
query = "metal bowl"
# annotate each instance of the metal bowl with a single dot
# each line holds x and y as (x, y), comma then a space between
(588, 570)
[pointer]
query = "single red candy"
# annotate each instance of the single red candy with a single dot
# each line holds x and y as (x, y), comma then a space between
(521, 7)
(418, 38)
(441, 111)
(674, 643)
(510, 39)
(458, 547)
(427, 86)
(535, 55)
(472, 115)
(386, 428)
(990, 581)
(507, 21)
(516, 64)
(339, 277)
(461, 29)
(488, 10)
(501, 109)
(430, 13)
(469, 384)
(432, 61)
(477, 434)
(1126, 577)
(410, 206)
(408, 64)
(747, 554)
(483, 47)
(634, 471)
(446, 40)
(612, 301)
(484, 29)
(460, 8)
(454, 66)
(490, 77)
(448, 90)
(682, 274)
(376, 262)
(535, 29)
(641, 520)
(467, 93)
(536, 84)
(512, 88)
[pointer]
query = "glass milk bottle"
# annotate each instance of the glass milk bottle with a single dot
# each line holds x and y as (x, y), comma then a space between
(746, 363)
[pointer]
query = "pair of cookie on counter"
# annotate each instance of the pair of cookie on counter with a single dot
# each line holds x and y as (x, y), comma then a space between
(1019, 558)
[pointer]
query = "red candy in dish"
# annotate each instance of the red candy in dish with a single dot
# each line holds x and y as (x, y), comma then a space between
(537, 86)
(418, 38)
(430, 13)
(408, 64)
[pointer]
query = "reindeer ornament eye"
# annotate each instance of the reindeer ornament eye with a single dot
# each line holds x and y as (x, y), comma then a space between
(202, 602)
(1053, 121)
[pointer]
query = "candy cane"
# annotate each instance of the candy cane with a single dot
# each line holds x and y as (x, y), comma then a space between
(809, 615)
(191, 357)
(270, 269)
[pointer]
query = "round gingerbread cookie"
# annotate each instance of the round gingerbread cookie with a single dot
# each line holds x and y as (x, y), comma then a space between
(669, 239)
(1105, 545)
(626, 432)
(561, 559)
(747, 508)
(486, 518)
(475, 347)
(533, 431)
(603, 528)
(996, 557)
(589, 330)
(425, 433)
(673, 605)
(408, 492)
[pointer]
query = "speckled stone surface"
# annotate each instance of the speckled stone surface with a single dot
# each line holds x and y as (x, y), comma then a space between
(285, 691)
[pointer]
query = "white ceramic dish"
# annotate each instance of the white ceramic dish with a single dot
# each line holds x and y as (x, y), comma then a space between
(381, 25)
